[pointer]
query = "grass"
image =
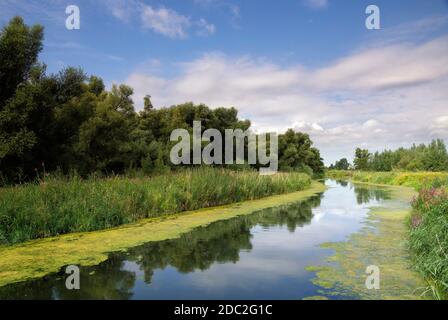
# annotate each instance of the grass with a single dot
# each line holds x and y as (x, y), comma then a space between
(37, 258)
(416, 180)
(61, 206)
(427, 225)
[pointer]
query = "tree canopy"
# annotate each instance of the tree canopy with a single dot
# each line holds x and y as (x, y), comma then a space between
(422, 157)
(69, 122)
(342, 164)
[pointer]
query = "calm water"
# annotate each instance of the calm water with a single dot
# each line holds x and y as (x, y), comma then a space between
(260, 256)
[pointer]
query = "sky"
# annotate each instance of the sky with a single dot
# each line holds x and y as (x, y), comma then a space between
(310, 65)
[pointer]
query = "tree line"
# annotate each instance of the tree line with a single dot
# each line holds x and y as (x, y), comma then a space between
(422, 157)
(70, 122)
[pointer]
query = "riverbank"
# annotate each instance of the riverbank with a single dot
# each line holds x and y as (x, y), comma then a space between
(428, 233)
(416, 180)
(67, 205)
(427, 224)
(38, 258)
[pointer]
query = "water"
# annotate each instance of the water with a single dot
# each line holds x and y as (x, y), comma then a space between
(259, 256)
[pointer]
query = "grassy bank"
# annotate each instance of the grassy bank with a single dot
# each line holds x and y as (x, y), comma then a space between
(35, 259)
(61, 206)
(427, 225)
(416, 180)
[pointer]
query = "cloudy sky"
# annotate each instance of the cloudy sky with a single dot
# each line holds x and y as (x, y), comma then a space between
(310, 65)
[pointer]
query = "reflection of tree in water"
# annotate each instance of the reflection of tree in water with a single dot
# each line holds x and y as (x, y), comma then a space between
(198, 250)
(110, 283)
(219, 242)
(342, 183)
(365, 194)
(291, 216)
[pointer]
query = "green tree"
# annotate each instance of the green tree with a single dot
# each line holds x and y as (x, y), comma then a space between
(435, 157)
(69, 121)
(104, 139)
(342, 164)
(20, 46)
(361, 161)
(296, 153)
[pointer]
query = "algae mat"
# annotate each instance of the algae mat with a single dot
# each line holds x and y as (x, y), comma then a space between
(381, 242)
(38, 258)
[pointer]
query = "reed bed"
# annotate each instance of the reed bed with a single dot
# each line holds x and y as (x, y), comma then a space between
(65, 205)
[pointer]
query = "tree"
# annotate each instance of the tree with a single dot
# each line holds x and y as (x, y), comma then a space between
(431, 157)
(383, 161)
(296, 153)
(435, 157)
(147, 103)
(361, 161)
(342, 164)
(20, 46)
(69, 121)
(104, 139)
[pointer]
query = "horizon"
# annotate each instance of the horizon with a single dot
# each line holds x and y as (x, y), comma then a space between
(346, 92)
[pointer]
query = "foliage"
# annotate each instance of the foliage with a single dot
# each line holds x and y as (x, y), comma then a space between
(19, 48)
(429, 238)
(416, 180)
(432, 157)
(361, 161)
(65, 205)
(37, 259)
(342, 164)
(297, 154)
(69, 122)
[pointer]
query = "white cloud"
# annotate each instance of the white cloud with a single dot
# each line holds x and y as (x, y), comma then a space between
(407, 31)
(439, 126)
(165, 21)
(162, 20)
(380, 97)
(371, 123)
(144, 84)
(317, 4)
(387, 67)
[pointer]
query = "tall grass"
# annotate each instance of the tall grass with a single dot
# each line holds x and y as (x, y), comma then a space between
(416, 180)
(60, 206)
(428, 238)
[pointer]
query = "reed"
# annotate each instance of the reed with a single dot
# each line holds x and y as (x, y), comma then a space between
(65, 205)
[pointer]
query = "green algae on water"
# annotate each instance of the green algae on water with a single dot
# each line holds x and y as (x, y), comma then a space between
(381, 242)
(38, 258)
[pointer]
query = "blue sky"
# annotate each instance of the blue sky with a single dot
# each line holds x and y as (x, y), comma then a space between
(307, 64)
